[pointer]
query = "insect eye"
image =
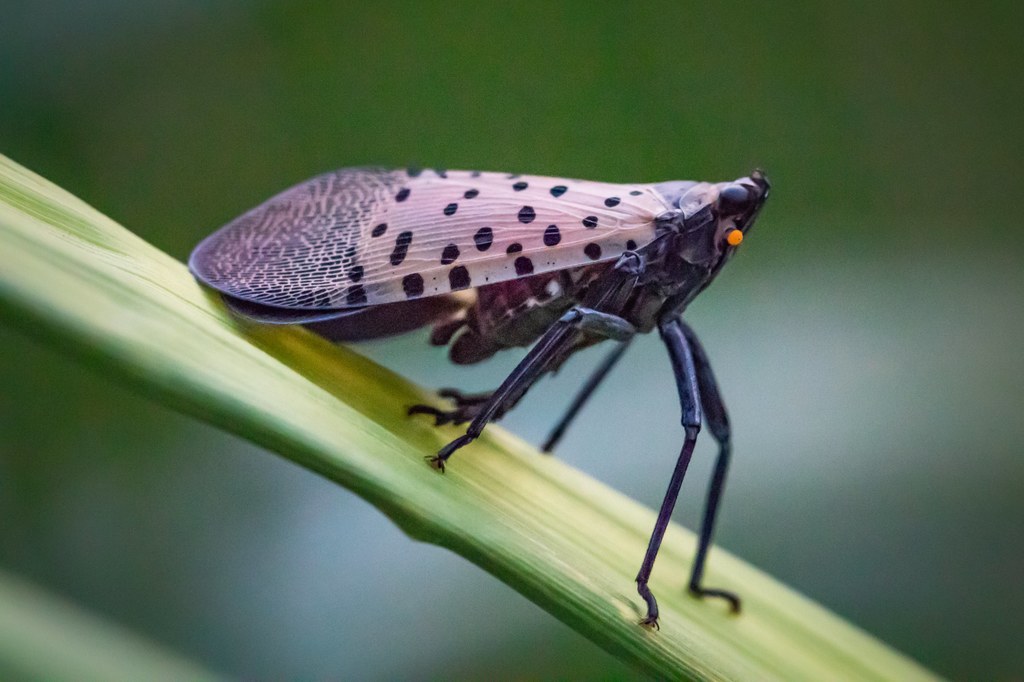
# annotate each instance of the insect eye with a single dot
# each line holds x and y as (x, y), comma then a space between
(733, 199)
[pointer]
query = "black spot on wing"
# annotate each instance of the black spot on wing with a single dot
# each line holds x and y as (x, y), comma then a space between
(552, 236)
(514, 247)
(590, 222)
(450, 254)
(412, 285)
(558, 190)
(524, 266)
(458, 278)
(402, 195)
(592, 250)
(450, 209)
(379, 230)
(527, 214)
(402, 243)
(356, 295)
(483, 238)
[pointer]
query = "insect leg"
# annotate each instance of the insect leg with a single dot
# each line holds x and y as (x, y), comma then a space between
(533, 366)
(466, 406)
(718, 423)
(584, 394)
(689, 400)
(460, 398)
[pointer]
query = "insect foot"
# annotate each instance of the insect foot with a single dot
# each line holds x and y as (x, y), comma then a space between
(734, 601)
(437, 461)
(651, 623)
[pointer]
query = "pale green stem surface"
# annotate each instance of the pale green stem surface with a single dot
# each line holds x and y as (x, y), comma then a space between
(565, 541)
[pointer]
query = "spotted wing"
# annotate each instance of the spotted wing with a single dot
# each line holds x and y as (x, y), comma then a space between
(369, 236)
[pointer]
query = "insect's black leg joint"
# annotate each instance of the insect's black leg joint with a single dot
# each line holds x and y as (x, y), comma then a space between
(605, 325)
(572, 316)
(683, 365)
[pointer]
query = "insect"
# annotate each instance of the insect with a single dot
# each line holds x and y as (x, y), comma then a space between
(494, 261)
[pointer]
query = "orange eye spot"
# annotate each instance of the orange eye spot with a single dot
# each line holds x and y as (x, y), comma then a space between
(734, 237)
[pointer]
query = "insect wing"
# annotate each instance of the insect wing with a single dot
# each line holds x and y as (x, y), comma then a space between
(359, 237)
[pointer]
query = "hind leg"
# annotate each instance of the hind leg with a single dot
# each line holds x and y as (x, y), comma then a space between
(467, 405)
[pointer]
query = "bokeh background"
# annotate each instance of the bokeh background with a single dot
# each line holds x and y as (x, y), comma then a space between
(868, 339)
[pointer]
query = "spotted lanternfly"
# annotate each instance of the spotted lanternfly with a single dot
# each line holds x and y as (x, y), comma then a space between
(495, 261)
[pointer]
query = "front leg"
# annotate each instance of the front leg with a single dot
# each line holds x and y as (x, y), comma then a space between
(689, 401)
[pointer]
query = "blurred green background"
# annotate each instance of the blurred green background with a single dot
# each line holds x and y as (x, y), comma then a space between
(868, 340)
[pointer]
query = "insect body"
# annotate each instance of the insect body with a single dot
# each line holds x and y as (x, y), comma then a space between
(493, 261)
